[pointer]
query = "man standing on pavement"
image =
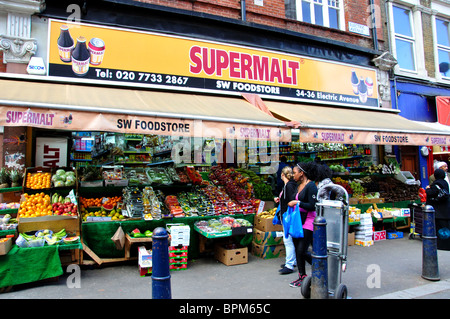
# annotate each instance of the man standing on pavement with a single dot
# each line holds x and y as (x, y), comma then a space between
(444, 167)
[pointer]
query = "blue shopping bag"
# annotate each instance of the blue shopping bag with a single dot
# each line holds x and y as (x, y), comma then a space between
(276, 220)
(295, 228)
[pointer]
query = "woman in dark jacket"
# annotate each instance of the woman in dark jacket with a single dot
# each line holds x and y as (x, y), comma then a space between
(441, 208)
(288, 192)
(306, 197)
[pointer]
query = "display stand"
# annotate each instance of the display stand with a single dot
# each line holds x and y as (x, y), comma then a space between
(129, 241)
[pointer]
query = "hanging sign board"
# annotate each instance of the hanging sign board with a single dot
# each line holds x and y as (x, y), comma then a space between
(145, 59)
(309, 135)
(51, 152)
(60, 119)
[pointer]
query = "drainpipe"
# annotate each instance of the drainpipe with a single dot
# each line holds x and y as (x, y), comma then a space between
(374, 28)
(243, 11)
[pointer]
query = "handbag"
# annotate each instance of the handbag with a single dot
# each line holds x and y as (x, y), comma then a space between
(276, 220)
(295, 228)
(442, 194)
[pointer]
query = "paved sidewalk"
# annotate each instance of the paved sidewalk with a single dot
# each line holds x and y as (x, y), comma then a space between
(389, 269)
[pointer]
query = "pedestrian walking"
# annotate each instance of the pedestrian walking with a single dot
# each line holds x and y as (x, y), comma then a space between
(287, 194)
(306, 197)
(441, 208)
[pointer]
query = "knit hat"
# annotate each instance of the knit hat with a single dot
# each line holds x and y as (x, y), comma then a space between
(438, 165)
(439, 174)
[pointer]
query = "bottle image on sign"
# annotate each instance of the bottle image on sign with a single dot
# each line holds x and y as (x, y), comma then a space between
(80, 57)
(369, 84)
(362, 88)
(65, 44)
(355, 82)
(97, 50)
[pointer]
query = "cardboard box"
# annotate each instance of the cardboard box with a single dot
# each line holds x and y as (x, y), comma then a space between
(379, 235)
(231, 256)
(371, 200)
(272, 238)
(266, 224)
(364, 243)
(5, 247)
(386, 214)
(179, 234)
(392, 234)
(243, 230)
(267, 252)
(351, 239)
(145, 261)
(353, 201)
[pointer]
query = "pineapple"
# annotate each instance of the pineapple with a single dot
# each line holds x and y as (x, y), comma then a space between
(14, 176)
(4, 178)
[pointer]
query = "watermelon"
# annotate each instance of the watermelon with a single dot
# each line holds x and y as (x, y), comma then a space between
(71, 239)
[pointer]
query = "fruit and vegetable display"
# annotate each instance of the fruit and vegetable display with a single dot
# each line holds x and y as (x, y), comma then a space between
(13, 205)
(45, 237)
(386, 187)
(62, 178)
(115, 214)
(136, 233)
(268, 213)
(63, 205)
(35, 205)
(220, 225)
(7, 223)
(41, 204)
(10, 177)
(38, 180)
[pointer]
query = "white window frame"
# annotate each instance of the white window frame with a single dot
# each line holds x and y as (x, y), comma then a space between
(416, 28)
(325, 16)
(442, 12)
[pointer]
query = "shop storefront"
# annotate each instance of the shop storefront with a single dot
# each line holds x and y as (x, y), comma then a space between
(170, 114)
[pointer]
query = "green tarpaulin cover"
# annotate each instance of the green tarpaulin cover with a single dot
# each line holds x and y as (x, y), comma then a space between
(25, 265)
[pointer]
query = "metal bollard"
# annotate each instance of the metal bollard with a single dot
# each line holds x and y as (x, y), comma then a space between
(160, 271)
(319, 266)
(430, 268)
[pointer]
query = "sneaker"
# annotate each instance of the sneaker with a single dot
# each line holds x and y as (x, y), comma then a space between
(298, 282)
(285, 271)
(283, 265)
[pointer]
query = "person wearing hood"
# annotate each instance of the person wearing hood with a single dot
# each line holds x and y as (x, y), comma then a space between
(288, 192)
(441, 208)
(444, 167)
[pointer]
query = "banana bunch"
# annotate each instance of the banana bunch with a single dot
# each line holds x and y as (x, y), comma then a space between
(55, 238)
(61, 234)
(254, 178)
(268, 214)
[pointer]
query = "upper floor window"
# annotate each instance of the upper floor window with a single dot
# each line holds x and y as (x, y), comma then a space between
(404, 39)
(327, 13)
(443, 46)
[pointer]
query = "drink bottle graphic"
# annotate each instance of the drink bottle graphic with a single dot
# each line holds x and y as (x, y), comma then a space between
(355, 82)
(362, 88)
(80, 57)
(65, 44)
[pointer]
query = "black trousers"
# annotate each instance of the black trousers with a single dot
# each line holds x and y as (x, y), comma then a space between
(301, 250)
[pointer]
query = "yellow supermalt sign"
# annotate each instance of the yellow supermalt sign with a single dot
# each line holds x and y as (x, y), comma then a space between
(161, 61)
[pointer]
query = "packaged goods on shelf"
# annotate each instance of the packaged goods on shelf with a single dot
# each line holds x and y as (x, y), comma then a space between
(354, 214)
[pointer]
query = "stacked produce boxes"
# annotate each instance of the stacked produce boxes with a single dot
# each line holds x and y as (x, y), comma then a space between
(267, 237)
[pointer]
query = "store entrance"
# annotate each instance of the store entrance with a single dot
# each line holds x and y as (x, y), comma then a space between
(410, 160)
